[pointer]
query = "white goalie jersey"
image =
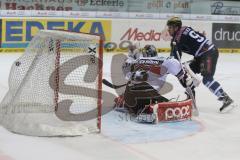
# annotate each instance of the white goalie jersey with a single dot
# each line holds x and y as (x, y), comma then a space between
(146, 73)
(152, 70)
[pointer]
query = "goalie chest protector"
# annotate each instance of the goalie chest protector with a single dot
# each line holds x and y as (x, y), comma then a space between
(153, 64)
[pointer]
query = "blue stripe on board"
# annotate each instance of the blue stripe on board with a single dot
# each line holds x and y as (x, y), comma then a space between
(14, 45)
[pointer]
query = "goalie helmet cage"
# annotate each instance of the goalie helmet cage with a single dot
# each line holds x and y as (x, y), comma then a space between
(58, 69)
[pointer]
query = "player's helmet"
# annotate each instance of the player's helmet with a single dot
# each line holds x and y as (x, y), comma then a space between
(174, 21)
(150, 51)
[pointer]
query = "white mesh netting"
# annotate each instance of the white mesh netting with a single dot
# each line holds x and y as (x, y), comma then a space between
(57, 67)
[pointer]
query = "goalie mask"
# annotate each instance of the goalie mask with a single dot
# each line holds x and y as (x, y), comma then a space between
(150, 51)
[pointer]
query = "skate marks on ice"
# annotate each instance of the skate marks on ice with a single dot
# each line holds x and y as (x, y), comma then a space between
(120, 127)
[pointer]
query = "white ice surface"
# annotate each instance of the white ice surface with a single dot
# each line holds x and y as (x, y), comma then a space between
(218, 139)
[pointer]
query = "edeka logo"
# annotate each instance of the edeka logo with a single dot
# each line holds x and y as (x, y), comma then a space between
(17, 33)
(226, 35)
(135, 35)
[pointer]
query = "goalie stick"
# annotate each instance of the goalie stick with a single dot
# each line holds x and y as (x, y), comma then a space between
(188, 89)
(109, 84)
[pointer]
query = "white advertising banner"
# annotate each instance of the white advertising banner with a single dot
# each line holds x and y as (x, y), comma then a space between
(151, 31)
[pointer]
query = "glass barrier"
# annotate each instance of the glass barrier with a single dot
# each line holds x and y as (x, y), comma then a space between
(114, 7)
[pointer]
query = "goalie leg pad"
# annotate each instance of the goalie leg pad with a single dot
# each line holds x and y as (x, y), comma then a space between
(173, 111)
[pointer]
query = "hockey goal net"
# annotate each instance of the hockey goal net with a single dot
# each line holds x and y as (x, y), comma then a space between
(55, 86)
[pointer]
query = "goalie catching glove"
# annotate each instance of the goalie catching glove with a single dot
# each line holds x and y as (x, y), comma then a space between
(139, 76)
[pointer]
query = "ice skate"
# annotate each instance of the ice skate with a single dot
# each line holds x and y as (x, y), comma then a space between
(227, 103)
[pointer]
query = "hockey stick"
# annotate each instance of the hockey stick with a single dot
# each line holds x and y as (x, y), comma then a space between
(188, 89)
(109, 84)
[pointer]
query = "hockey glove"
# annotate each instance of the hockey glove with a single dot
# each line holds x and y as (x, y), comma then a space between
(128, 65)
(187, 81)
(139, 76)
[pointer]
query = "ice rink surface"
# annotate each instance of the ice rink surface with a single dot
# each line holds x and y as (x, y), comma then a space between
(211, 136)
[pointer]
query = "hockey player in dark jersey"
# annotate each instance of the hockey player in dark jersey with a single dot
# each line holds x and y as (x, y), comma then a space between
(187, 40)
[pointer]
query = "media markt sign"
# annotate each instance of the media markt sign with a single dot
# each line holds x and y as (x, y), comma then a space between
(226, 35)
